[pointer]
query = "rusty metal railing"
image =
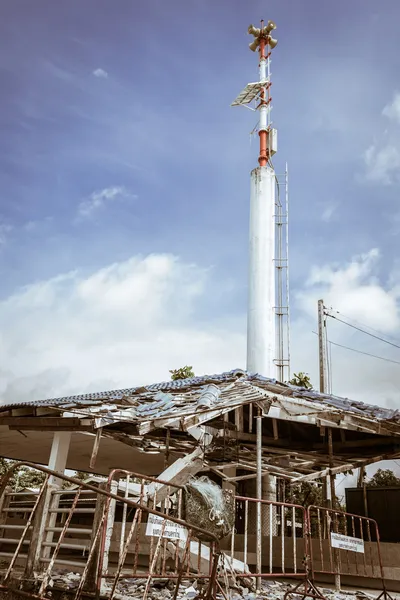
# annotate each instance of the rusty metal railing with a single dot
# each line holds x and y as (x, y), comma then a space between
(135, 528)
(343, 544)
(167, 500)
(280, 547)
(175, 563)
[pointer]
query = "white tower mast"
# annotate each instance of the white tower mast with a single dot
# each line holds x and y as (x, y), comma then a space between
(261, 335)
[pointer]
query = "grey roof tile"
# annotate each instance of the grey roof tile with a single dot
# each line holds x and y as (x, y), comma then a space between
(150, 402)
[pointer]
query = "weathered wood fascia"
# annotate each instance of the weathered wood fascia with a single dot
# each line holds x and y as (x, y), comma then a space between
(47, 424)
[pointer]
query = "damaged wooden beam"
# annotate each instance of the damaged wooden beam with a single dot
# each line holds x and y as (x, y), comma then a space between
(96, 447)
(373, 442)
(344, 468)
(177, 474)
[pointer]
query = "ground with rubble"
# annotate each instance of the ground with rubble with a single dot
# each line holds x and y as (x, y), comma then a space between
(134, 589)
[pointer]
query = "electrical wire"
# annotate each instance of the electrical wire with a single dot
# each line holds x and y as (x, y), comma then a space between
(328, 364)
(396, 362)
(328, 310)
(363, 331)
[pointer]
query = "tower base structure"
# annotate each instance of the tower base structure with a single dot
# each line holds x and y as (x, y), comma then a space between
(261, 294)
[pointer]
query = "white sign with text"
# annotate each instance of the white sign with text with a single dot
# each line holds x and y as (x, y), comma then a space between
(172, 531)
(343, 542)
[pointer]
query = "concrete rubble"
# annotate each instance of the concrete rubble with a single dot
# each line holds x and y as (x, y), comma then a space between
(133, 588)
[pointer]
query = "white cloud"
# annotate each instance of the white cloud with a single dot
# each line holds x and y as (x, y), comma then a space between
(4, 231)
(355, 290)
(130, 322)
(98, 199)
(382, 164)
(392, 110)
(124, 325)
(101, 73)
(328, 212)
(382, 158)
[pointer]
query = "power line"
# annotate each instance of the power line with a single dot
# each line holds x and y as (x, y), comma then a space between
(396, 362)
(328, 362)
(363, 331)
(361, 323)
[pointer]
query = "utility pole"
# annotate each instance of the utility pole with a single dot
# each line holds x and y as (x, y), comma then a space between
(322, 348)
(329, 489)
(322, 376)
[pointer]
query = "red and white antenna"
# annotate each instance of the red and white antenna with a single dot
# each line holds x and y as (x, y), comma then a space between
(261, 330)
(260, 91)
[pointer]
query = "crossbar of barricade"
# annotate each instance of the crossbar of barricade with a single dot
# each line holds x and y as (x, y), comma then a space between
(175, 564)
(343, 544)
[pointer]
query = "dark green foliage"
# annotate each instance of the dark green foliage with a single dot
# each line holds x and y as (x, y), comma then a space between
(310, 494)
(25, 477)
(301, 380)
(305, 494)
(383, 478)
(182, 373)
(22, 478)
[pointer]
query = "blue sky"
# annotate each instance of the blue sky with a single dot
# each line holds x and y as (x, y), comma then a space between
(125, 186)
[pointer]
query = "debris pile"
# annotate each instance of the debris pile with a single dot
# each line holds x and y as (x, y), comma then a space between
(131, 588)
(209, 507)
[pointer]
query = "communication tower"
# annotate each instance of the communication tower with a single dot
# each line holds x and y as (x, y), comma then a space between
(268, 296)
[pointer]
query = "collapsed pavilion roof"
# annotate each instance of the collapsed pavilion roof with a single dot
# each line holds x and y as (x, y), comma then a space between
(135, 424)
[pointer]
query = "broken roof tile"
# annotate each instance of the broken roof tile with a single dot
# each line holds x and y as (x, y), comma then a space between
(161, 400)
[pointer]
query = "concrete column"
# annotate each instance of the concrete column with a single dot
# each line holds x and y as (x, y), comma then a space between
(44, 519)
(57, 462)
(59, 453)
(268, 493)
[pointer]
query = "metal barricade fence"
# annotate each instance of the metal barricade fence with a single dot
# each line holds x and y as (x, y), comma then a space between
(343, 544)
(164, 556)
(48, 517)
(279, 548)
(132, 526)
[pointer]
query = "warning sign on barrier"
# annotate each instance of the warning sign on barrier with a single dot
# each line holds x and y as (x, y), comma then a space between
(172, 531)
(344, 542)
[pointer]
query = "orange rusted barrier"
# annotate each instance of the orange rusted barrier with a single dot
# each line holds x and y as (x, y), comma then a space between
(343, 544)
(51, 514)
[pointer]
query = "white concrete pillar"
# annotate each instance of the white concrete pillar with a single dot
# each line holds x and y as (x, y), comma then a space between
(261, 293)
(59, 453)
(57, 462)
